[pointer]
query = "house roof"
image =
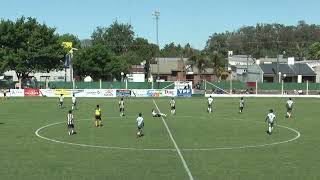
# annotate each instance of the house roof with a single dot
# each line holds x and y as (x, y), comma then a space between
(164, 67)
(167, 65)
(290, 70)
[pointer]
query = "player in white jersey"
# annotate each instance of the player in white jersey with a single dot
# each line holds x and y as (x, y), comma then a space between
(241, 105)
(289, 106)
(74, 102)
(121, 107)
(155, 114)
(270, 119)
(70, 123)
(210, 101)
(140, 125)
(173, 106)
(61, 100)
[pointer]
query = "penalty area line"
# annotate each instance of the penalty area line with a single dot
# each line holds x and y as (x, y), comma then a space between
(185, 165)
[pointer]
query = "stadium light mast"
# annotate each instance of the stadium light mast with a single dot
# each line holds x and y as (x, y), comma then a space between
(156, 14)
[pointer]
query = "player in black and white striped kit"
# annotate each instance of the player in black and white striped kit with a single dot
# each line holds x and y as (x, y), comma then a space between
(70, 123)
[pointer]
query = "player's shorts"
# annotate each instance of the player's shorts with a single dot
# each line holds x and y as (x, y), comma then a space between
(98, 117)
(74, 104)
(209, 105)
(241, 107)
(141, 126)
(289, 109)
(70, 126)
(4, 94)
(271, 124)
(157, 115)
(121, 109)
(61, 103)
(173, 107)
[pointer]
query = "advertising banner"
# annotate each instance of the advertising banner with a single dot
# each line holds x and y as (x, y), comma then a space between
(155, 93)
(47, 92)
(79, 92)
(31, 92)
(139, 92)
(109, 92)
(123, 93)
(170, 92)
(184, 92)
(16, 92)
(93, 93)
(65, 92)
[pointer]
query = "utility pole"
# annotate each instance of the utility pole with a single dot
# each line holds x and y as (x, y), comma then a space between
(278, 80)
(247, 68)
(156, 14)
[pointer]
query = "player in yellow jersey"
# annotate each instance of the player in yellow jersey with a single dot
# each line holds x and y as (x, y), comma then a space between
(97, 113)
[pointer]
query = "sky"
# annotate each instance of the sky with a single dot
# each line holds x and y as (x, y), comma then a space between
(181, 21)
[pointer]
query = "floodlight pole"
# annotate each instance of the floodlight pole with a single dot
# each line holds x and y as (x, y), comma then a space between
(157, 15)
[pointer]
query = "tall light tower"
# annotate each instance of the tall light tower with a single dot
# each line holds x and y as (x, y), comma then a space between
(156, 14)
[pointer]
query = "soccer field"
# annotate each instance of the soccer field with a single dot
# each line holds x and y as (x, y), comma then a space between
(189, 145)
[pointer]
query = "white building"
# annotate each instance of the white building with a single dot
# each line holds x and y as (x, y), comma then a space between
(53, 75)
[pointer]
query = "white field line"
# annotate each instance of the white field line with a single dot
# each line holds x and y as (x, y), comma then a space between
(92, 146)
(37, 132)
(251, 146)
(175, 145)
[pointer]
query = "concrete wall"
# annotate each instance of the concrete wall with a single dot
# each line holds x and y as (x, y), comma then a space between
(54, 75)
(255, 73)
(317, 71)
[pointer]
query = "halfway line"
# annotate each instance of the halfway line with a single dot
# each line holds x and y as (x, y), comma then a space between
(175, 144)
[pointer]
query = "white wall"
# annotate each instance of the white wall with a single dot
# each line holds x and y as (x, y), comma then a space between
(136, 77)
(54, 75)
(317, 71)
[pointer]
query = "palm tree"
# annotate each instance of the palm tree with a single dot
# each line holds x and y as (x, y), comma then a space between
(200, 61)
(216, 62)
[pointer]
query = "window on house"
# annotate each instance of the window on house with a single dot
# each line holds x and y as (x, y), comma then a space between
(174, 73)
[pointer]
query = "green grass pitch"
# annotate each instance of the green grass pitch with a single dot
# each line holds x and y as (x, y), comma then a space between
(220, 145)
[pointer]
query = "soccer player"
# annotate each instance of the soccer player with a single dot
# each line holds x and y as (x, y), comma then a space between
(241, 104)
(70, 123)
(97, 113)
(289, 106)
(4, 94)
(121, 107)
(154, 114)
(61, 100)
(74, 102)
(271, 117)
(173, 106)
(140, 125)
(210, 101)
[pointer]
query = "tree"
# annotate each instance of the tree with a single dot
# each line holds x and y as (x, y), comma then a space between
(266, 40)
(171, 50)
(76, 43)
(99, 62)
(119, 37)
(200, 61)
(314, 51)
(217, 62)
(27, 46)
(145, 51)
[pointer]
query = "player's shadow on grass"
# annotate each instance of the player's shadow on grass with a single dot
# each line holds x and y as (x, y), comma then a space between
(1, 123)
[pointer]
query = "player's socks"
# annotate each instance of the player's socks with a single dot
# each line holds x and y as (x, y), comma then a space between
(270, 129)
(96, 123)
